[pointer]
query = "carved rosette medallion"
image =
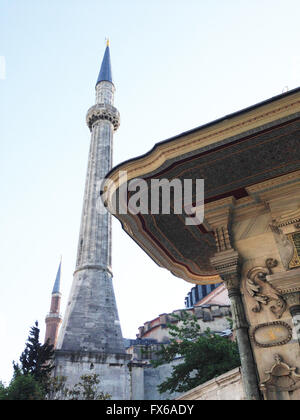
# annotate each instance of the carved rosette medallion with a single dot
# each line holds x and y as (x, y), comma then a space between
(263, 292)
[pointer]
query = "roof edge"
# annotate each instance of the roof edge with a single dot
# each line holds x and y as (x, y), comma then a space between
(206, 125)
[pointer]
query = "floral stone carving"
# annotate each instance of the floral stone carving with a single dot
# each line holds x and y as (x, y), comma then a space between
(262, 291)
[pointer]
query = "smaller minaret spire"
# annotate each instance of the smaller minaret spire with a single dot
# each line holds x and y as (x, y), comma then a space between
(56, 287)
(54, 319)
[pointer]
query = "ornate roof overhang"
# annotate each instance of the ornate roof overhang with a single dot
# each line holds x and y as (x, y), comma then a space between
(231, 154)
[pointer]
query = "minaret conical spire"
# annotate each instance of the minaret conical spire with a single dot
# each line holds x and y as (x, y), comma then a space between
(105, 74)
(56, 287)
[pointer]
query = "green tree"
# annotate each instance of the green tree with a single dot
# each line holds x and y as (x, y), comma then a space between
(32, 374)
(24, 387)
(3, 391)
(36, 358)
(204, 355)
(32, 378)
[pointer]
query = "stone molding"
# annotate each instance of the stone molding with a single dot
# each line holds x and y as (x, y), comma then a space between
(53, 315)
(99, 357)
(218, 388)
(286, 281)
(94, 267)
(288, 218)
(209, 135)
(227, 264)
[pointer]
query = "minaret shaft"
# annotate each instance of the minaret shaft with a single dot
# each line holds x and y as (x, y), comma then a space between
(91, 321)
(94, 247)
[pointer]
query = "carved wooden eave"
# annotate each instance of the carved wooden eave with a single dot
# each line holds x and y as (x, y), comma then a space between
(244, 158)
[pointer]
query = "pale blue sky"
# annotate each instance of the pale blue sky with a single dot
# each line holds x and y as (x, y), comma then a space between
(176, 65)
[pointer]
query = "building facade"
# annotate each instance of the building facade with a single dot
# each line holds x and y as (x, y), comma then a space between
(249, 236)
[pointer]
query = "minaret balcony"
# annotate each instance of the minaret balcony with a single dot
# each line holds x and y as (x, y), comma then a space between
(103, 112)
(53, 315)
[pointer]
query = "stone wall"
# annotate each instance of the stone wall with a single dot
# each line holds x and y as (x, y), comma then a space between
(225, 387)
(146, 378)
(113, 371)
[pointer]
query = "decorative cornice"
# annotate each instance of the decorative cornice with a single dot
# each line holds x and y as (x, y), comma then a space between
(285, 281)
(288, 218)
(82, 355)
(226, 263)
(207, 135)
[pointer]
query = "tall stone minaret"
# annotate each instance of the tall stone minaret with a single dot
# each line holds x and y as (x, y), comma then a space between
(53, 319)
(90, 340)
(91, 322)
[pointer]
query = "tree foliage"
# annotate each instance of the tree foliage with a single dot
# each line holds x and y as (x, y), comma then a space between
(32, 373)
(204, 355)
(32, 378)
(3, 391)
(23, 387)
(36, 358)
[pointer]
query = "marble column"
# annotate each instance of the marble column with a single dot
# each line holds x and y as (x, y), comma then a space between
(227, 264)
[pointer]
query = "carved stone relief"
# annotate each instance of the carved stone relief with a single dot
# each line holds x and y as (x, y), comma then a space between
(263, 292)
(288, 244)
(281, 381)
(285, 246)
(292, 299)
(294, 238)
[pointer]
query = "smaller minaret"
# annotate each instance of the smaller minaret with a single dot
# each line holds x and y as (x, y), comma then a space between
(54, 319)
